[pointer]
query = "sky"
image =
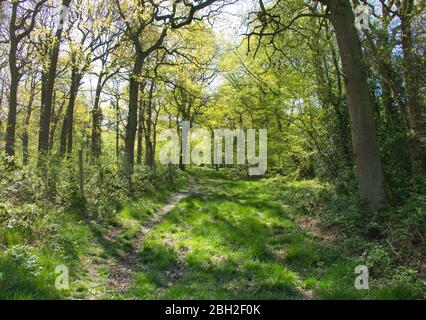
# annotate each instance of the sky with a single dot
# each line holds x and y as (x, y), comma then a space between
(231, 23)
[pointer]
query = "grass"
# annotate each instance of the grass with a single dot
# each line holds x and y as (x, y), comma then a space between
(233, 239)
(28, 257)
(28, 271)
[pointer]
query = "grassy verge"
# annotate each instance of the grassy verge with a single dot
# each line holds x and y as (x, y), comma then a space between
(383, 242)
(55, 237)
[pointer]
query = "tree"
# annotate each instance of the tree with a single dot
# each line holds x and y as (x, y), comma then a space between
(108, 68)
(406, 10)
(364, 137)
(92, 40)
(49, 76)
(29, 110)
(147, 24)
(22, 22)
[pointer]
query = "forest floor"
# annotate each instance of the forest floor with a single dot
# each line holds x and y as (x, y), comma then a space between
(221, 238)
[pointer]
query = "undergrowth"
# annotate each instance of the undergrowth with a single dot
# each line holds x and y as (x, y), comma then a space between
(46, 221)
(391, 243)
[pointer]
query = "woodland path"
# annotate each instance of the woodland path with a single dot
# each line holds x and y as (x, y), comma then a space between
(220, 238)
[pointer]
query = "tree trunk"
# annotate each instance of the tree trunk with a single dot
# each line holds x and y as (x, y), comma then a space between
(55, 120)
(25, 135)
(97, 116)
(154, 136)
(141, 120)
(13, 91)
(1, 104)
(132, 116)
(67, 127)
(11, 116)
(149, 156)
(364, 137)
(411, 75)
(341, 111)
(117, 130)
(46, 104)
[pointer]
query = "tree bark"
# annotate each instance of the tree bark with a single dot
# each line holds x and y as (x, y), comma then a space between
(117, 130)
(11, 116)
(141, 126)
(131, 127)
(97, 116)
(1, 104)
(25, 135)
(55, 120)
(13, 90)
(149, 156)
(364, 136)
(67, 127)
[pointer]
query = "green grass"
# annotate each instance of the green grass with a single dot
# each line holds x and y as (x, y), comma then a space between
(235, 242)
(234, 239)
(28, 257)
(28, 271)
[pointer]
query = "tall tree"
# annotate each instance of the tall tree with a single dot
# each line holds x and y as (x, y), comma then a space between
(152, 20)
(48, 84)
(107, 70)
(88, 37)
(22, 22)
(364, 136)
(27, 121)
(406, 10)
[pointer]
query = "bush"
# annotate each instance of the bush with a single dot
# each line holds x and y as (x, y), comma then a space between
(23, 185)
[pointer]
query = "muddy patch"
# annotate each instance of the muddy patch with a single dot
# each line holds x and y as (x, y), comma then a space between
(313, 226)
